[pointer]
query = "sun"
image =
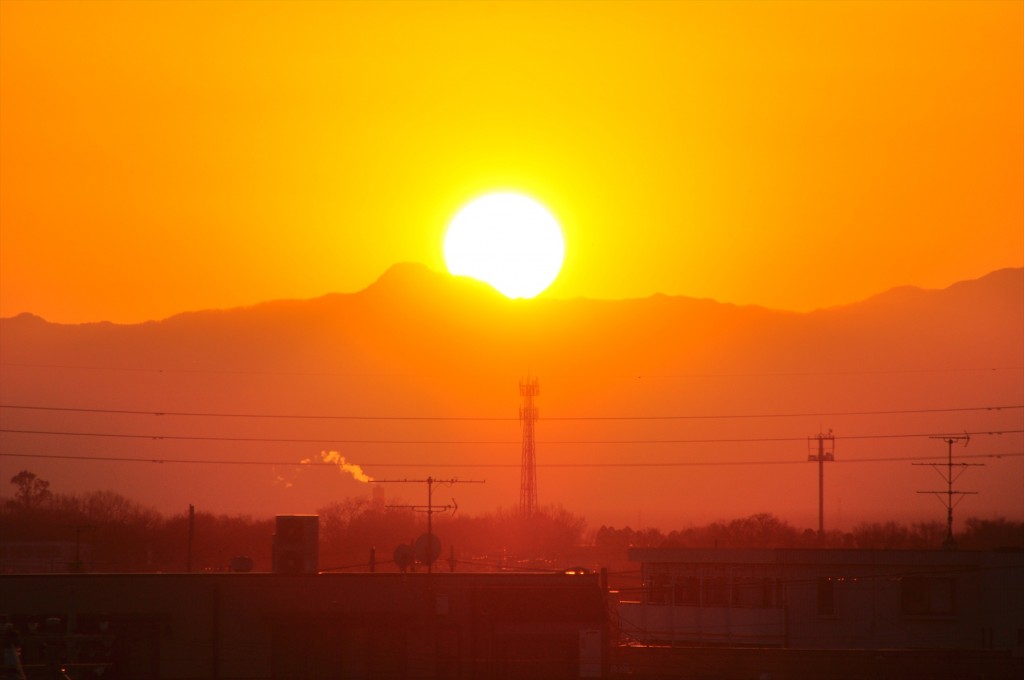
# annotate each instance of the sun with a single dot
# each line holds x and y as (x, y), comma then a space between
(507, 240)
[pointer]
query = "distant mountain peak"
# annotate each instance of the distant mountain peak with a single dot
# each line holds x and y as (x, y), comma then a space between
(27, 317)
(414, 278)
(403, 273)
(1008, 281)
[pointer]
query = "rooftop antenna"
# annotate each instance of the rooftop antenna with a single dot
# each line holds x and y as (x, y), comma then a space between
(430, 509)
(950, 477)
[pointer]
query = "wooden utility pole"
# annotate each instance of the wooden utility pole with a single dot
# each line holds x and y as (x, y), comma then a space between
(826, 452)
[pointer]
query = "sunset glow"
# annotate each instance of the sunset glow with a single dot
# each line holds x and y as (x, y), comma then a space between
(792, 155)
(234, 234)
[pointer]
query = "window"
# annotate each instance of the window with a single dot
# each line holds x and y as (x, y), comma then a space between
(687, 590)
(659, 588)
(826, 597)
(750, 591)
(716, 589)
(927, 596)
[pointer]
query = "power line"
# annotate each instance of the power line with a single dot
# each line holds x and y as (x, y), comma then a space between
(759, 374)
(208, 371)
(420, 464)
(332, 440)
(275, 416)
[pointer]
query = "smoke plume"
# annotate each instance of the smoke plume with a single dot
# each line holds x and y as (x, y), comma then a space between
(351, 468)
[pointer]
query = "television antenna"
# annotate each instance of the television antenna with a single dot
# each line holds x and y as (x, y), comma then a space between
(430, 508)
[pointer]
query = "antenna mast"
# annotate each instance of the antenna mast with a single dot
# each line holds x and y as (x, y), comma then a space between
(528, 413)
(430, 508)
(949, 477)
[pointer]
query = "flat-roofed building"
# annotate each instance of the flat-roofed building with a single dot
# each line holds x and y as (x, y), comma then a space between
(940, 604)
(262, 625)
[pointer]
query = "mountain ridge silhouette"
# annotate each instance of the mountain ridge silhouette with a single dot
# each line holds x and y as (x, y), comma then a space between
(406, 278)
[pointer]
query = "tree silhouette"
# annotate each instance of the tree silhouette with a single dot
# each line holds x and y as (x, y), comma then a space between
(32, 491)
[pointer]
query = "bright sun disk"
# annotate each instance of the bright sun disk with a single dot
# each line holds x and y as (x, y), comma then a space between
(507, 240)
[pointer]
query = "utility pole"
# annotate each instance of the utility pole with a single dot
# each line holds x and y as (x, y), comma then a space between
(528, 414)
(191, 535)
(949, 478)
(430, 508)
(825, 452)
(78, 566)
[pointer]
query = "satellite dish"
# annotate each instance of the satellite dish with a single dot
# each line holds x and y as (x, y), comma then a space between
(403, 556)
(428, 548)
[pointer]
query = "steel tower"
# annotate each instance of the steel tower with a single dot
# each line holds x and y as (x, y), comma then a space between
(528, 413)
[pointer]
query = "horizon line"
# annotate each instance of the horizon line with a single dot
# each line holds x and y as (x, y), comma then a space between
(541, 297)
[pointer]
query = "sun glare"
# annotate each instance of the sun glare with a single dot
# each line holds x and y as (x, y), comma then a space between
(507, 240)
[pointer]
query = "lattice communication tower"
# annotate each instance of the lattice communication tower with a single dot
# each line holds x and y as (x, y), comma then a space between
(528, 413)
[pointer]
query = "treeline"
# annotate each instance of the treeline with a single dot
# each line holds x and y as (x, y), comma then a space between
(768, 531)
(104, 531)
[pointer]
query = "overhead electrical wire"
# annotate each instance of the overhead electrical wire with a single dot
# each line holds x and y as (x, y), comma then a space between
(447, 442)
(275, 416)
(633, 464)
(760, 374)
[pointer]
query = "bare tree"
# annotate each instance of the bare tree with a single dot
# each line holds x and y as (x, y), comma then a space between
(32, 491)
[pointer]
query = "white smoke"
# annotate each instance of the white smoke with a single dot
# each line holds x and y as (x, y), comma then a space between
(345, 466)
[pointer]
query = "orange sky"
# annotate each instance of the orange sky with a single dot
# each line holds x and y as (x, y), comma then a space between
(162, 157)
